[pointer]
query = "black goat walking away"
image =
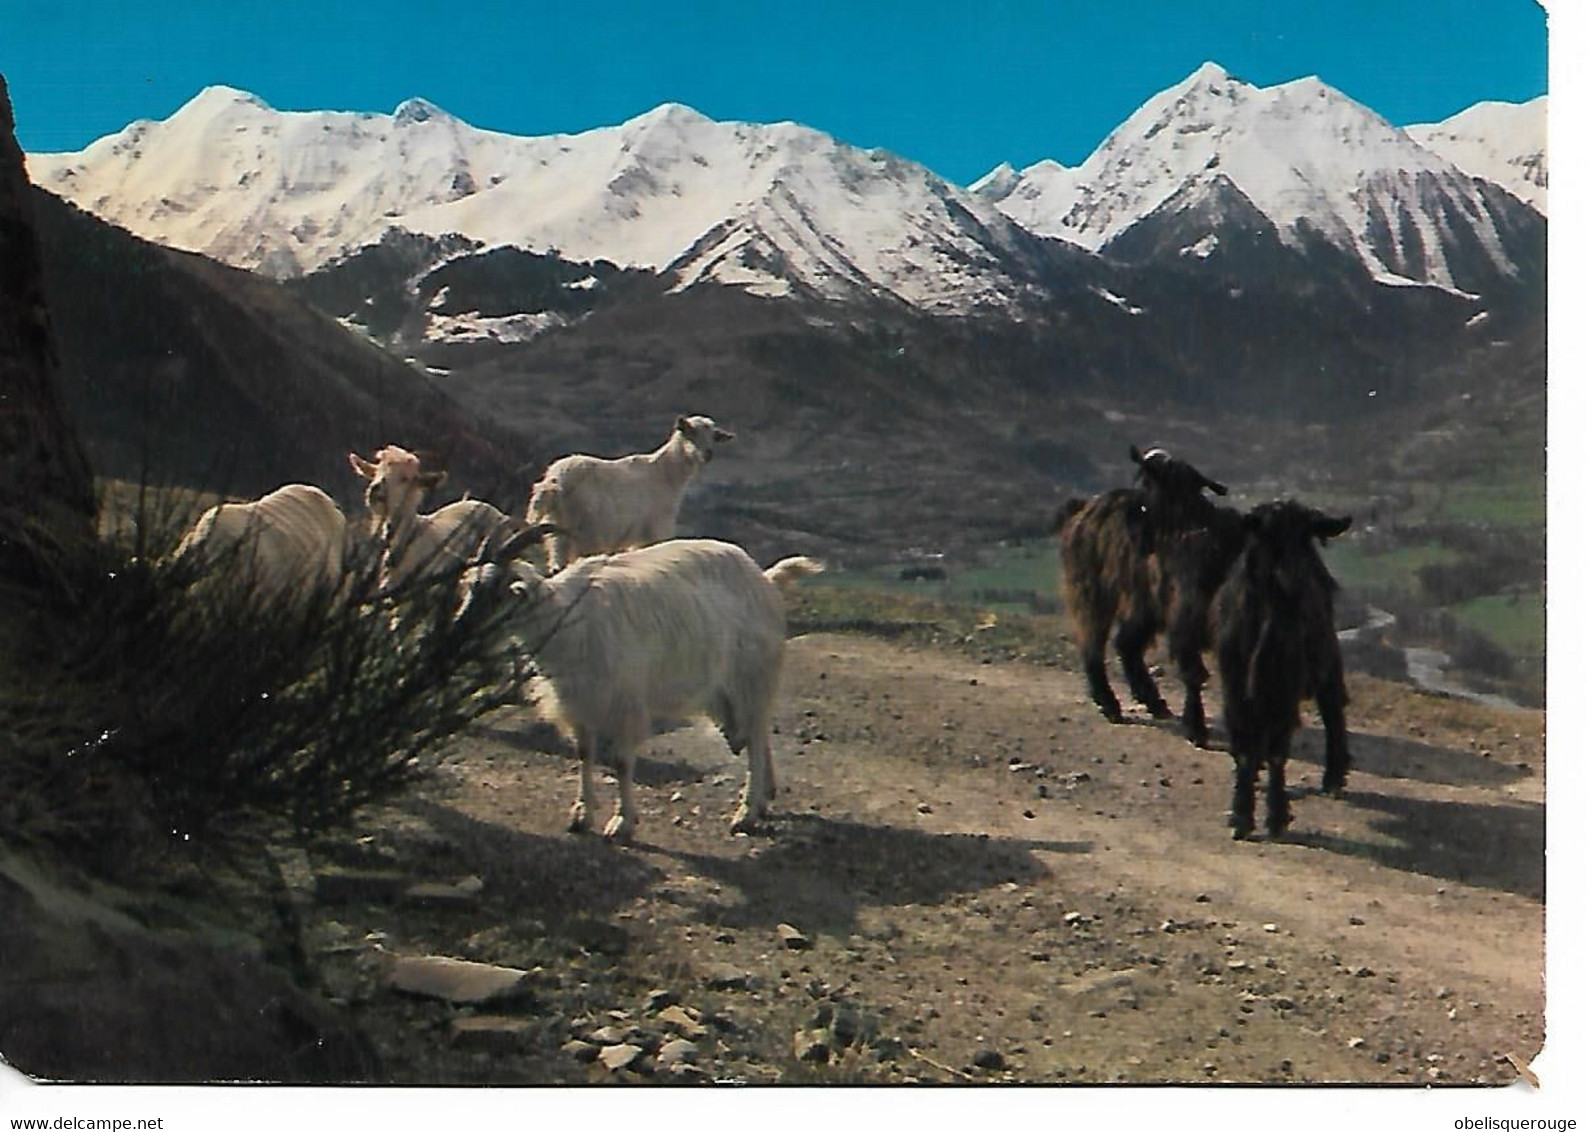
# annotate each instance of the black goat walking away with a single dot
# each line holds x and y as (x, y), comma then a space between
(1148, 558)
(1276, 646)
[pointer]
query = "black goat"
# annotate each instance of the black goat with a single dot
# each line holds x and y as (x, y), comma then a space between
(1276, 646)
(1147, 557)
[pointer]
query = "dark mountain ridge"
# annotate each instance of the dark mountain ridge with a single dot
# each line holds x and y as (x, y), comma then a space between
(181, 370)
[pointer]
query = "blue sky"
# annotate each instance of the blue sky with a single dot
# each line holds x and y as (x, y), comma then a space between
(957, 86)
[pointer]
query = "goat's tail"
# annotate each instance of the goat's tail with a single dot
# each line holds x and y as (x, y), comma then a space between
(1066, 511)
(786, 573)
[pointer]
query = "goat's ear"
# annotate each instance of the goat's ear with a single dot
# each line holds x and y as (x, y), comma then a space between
(1326, 527)
(362, 466)
(681, 425)
(1135, 455)
(722, 436)
(431, 479)
(1214, 486)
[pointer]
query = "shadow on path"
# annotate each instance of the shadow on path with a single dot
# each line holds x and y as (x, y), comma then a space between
(824, 870)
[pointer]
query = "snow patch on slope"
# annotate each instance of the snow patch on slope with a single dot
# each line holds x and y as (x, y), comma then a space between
(1502, 142)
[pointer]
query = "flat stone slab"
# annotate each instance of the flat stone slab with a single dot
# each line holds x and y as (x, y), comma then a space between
(729, 979)
(360, 886)
(457, 981)
(465, 891)
(679, 1020)
(679, 1051)
(620, 1057)
(491, 1032)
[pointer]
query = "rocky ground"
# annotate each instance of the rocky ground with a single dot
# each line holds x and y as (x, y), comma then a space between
(969, 876)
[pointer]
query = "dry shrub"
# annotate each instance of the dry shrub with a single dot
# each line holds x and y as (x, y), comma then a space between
(139, 699)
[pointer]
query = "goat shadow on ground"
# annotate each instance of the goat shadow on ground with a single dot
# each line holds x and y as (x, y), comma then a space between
(820, 871)
(543, 740)
(1388, 756)
(1392, 757)
(1489, 845)
(555, 878)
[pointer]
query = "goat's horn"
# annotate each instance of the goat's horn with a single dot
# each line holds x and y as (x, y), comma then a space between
(523, 537)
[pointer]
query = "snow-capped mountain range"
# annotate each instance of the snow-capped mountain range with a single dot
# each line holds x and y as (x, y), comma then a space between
(784, 208)
(766, 207)
(1305, 158)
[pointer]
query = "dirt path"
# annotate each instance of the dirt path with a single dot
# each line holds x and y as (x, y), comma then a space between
(970, 875)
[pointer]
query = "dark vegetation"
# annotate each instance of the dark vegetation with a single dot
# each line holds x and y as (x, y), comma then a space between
(152, 703)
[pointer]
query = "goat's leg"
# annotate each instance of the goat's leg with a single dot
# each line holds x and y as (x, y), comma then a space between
(1101, 694)
(1131, 641)
(1193, 674)
(758, 784)
(556, 545)
(1242, 807)
(1331, 706)
(579, 815)
(1278, 812)
(1091, 615)
(625, 818)
(630, 728)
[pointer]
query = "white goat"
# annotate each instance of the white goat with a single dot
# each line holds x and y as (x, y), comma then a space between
(600, 506)
(683, 627)
(290, 543)
(421, 546)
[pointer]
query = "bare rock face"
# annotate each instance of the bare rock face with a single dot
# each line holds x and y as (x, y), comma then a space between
(47, 503)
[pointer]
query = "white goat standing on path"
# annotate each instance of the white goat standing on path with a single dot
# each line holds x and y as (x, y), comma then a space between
(419, 546)
(600, 506)
(290, 542)
(684, 627)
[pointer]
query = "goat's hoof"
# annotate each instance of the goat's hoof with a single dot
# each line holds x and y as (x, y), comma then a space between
(1160, 710)
(1240, 832)
(1334, 789)
(619, 829)
(744, 821)
(578, 819)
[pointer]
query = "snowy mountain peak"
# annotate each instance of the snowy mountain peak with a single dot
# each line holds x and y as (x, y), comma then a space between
(1309, 159)
(213, 99)
(997, 183)
(672, 114)
(412, 111)
(1502, 142)
(1209, 75)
